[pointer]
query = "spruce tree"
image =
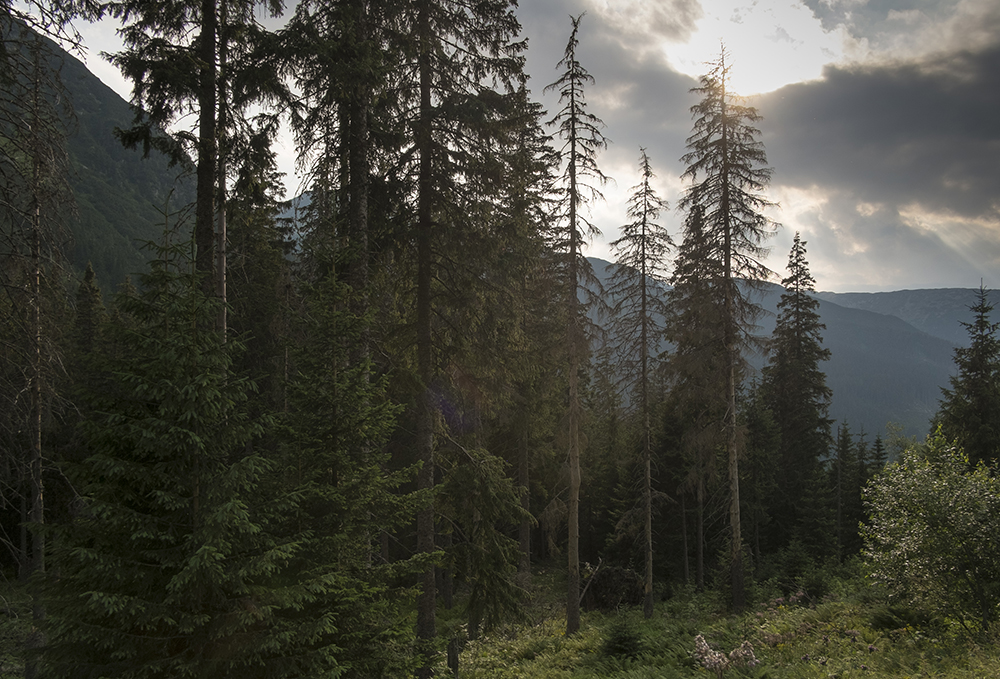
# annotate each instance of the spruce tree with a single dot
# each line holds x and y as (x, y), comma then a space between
(846, 485)
(726, 164)
(582, 139)
(338, 496)
(969, 412)
(636, 330)
(694, 325)
(159, 572)
(796, 390)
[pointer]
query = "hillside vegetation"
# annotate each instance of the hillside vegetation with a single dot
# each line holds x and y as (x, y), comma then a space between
(847, 632)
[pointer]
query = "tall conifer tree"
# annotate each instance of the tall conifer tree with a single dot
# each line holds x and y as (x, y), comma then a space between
(462, 62)
(726, 164)
(796, 391)
(582, 139)
(641, 252)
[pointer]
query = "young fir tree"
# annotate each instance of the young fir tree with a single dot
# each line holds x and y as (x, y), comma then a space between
(582, 139)
(332, 469)
(795, 388)
(160, 571)
(970, 410)
(636, 330)
(845, 482)
(726, 164)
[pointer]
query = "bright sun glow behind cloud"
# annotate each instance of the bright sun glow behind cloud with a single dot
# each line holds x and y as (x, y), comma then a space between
(771, 45)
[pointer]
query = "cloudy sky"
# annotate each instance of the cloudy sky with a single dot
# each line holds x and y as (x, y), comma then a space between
(881, 120)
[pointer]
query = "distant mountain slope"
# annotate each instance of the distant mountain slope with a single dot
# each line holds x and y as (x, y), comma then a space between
(937, 312)
(120, 196)
(882, 369)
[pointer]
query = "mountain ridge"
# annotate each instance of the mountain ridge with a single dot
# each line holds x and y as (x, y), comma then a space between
(882, 368)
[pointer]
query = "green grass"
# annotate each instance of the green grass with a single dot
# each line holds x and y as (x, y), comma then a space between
(848, 634)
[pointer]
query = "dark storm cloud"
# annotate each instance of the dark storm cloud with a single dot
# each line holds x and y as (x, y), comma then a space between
(926, 132)
(868, 19)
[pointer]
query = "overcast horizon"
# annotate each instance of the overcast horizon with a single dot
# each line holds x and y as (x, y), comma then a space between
(881, 121)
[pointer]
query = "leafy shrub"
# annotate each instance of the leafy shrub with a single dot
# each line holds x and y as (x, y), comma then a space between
(934, 536)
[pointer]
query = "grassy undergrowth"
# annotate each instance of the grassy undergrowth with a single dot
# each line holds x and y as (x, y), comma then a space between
(15, 625)
(848, 634)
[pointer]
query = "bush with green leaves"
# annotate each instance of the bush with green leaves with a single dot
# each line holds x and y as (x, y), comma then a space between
(933, 539)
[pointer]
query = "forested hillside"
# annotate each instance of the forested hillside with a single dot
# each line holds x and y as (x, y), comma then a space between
(121, 199)
(343, 447)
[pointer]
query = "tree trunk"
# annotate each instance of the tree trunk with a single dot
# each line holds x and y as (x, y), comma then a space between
(575, 345)
(524, 527)
(37, 516)
(732, 358)
(221, 235)
(684, 539)
(206, 175)
(647, 600)
(700, 537)
(426, 601)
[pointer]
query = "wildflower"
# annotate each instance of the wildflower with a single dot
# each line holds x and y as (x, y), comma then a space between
(709, 659)
(718, 662)
(871, 648)
(744, 655)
